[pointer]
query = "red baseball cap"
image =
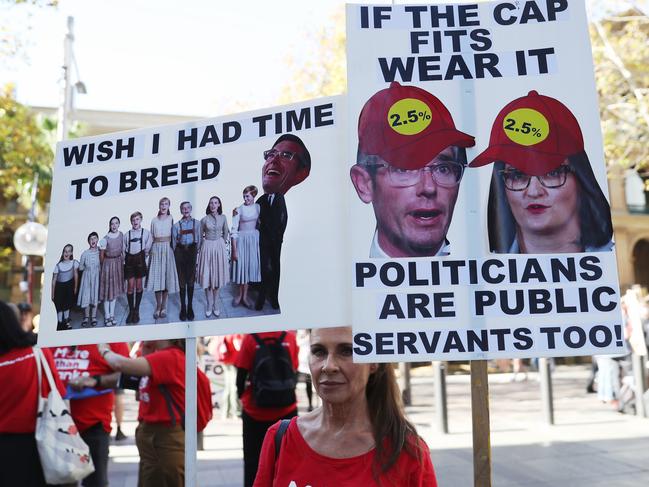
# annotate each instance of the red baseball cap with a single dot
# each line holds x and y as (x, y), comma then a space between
(534, 133)
(407, 127)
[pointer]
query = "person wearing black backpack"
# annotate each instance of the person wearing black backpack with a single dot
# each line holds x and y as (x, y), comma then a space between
(266, 380)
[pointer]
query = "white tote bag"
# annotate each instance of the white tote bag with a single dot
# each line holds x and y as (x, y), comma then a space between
(65, 457)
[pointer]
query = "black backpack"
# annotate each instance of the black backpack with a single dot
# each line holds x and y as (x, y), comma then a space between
(273, 377)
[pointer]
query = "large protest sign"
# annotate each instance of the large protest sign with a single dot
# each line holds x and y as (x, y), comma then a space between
(512, 255)
(119, 268)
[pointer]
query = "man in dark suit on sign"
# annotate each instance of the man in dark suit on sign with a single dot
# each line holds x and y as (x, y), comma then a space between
(288, 163)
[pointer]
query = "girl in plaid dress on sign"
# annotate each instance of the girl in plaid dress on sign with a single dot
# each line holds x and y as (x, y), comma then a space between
(163, 277)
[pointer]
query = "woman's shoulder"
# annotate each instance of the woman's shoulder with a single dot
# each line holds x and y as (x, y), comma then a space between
(414, 464)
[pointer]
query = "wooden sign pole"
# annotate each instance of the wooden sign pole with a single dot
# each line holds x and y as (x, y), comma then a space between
(480, 419)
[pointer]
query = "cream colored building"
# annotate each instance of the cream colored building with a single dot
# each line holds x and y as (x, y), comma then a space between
(631, 228)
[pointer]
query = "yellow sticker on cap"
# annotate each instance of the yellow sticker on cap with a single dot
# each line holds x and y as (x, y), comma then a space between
(526, 126)
(409, 116)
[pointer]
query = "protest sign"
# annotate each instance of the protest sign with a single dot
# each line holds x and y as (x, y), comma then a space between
(119, 269)
(479, 216)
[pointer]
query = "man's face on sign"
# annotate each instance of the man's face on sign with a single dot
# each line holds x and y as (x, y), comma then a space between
(283, 168)
(413, 209)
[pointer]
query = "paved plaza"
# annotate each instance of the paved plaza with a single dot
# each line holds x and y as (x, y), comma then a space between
(590, 445)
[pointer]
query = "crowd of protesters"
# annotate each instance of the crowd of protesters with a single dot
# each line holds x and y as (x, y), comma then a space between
(375, 443)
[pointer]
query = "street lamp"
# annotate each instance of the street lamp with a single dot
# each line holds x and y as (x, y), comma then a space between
(30, 239)
(67, 88)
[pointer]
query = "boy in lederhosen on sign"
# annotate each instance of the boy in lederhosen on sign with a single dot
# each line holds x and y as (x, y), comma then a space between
(185, 239)
(137, 243)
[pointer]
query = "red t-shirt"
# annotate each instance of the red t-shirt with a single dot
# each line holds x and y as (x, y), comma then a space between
(168, 369)
(18, 385)
(246, 360)
(83, 361)
(227, 348)
(301, 466)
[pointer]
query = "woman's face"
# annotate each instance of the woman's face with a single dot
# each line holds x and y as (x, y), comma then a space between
(114, 225)
(164, 205)
(215, 204)
(248, 198)
(336, 377)
(67, 252)
(547, 211)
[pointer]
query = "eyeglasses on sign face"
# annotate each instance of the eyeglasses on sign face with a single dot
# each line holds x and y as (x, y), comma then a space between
(445, 174)
(516, 180)
(272, 153)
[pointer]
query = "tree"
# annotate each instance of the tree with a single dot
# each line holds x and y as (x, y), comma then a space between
(621, 56)
(12, 33)
(325, 73)
(24, 153)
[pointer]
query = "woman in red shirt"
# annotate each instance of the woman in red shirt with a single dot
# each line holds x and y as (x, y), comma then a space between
(359, 436)
(160, 436)
(19, 401)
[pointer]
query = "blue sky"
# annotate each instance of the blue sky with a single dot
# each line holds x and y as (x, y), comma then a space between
(191, 57)
(195, 57)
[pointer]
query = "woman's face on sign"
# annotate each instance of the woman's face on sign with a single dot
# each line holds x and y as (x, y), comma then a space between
(164, 205)
(67, 252)
(546, 211)
(248, 198)
(215, 204)
(114, 225)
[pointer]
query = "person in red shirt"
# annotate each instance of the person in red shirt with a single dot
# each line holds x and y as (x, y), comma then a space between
(21, 465)
(359, 436)
(160, 436)
(226, 350)
(91, 395)
(256, 419)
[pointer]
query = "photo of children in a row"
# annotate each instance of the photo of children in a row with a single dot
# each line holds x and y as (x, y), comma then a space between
(149, 275)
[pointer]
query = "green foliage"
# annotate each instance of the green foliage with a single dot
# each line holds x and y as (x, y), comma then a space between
(621, 56)
(324, 74)
(24, 152)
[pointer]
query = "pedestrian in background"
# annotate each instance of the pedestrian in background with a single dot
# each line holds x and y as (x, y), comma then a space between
(226, 352)
(21, 464)
(278, 350)
(160, 435)
(303, 371)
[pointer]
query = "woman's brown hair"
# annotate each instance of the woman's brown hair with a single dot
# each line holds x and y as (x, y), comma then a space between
(393, 433)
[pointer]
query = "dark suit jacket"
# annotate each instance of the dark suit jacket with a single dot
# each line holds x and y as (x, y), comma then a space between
(272, 219)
